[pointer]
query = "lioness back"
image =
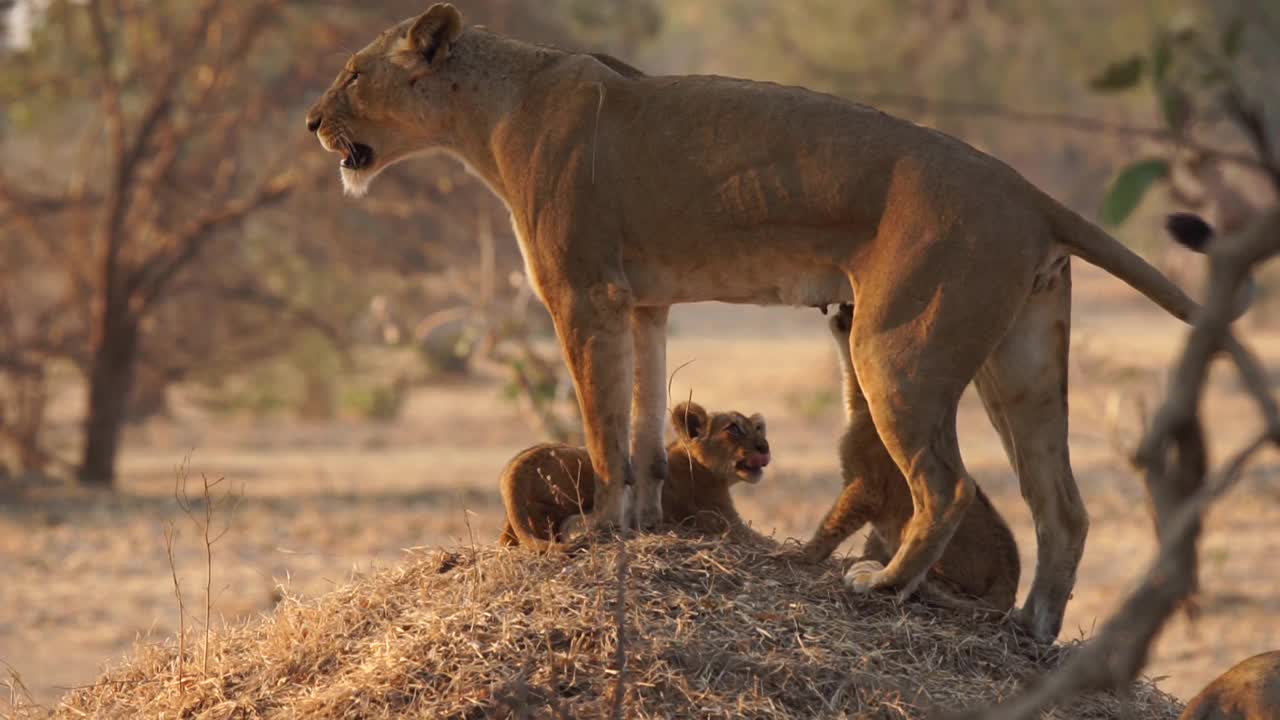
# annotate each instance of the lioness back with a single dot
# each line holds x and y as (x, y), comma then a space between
(545, 485)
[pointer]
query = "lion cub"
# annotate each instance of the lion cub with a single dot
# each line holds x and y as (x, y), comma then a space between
(981, 561)
(547, 484)
(1250, 690)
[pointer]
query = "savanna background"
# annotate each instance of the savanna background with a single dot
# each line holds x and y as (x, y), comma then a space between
(185, 296)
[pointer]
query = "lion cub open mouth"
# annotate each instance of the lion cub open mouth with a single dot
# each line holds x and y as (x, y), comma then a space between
(751, 468)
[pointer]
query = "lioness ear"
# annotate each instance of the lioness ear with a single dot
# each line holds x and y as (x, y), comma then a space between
(432, 34)
(690, 420)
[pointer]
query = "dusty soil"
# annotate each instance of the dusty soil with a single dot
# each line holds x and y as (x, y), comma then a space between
(84, 574)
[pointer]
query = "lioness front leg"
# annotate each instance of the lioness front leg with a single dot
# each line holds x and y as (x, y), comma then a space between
(592, 326)
(649, 412)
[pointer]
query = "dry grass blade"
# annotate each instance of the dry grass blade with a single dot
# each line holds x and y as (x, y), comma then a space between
(620, 622)
(20, 704)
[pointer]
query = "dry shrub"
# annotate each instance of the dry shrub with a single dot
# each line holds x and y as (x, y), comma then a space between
(712, 630)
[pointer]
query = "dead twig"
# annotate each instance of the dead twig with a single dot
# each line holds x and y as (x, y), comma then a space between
(203, 520)
(171, 534)
(620, 622)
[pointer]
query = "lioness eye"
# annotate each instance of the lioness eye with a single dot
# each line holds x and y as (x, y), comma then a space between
(352, 80)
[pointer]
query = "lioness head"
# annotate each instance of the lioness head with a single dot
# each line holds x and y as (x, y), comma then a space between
(389, 101)
(728, 444)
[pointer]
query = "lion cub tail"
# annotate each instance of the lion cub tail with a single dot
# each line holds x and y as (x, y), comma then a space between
(530, 539)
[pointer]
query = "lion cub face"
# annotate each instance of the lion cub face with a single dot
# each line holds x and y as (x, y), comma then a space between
(729, 444)
(391, 99)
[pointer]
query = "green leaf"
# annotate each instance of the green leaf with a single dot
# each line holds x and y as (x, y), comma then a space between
(1161, 54)
(1130, 185)
(1120, 75)
(1212, 76)
(1175, 105)
(1232, 37)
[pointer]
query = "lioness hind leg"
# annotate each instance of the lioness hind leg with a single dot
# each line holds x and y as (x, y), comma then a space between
(649, 412)
(914, 354)
(1024, 388)
(597, 347)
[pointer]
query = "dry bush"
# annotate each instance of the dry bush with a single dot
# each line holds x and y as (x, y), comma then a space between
(712, 629)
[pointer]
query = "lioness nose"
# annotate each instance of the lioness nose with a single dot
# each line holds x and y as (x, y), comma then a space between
(313, 121)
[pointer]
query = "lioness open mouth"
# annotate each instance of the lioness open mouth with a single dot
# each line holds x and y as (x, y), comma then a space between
(357, 157)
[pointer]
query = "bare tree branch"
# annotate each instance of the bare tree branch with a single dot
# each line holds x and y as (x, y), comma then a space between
(127, 157)
(112, 113)
(177, 138)
(247, 294)
(848, 81)
(160, 270)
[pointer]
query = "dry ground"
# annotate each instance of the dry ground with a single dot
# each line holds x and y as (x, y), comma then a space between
(708, 628)
(83, 575)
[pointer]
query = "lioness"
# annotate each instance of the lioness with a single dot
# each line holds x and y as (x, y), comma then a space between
(546, 484)
(1248, 691)
(629, 193)
(981, 561)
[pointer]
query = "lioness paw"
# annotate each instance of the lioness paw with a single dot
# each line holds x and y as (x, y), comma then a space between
(648, 508)
(864, 576)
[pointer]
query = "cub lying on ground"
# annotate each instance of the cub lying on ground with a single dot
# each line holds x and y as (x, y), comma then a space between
(547, 484)
(981, 561)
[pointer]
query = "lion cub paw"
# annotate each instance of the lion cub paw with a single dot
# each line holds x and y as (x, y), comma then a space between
(864, 576)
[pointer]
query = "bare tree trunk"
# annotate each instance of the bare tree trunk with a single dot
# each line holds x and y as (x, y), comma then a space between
(111, 371)
(149, 397)
(32, 400)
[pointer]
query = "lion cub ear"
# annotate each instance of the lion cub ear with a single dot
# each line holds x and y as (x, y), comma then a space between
(690, 420)
(433, 33)
(757, 421)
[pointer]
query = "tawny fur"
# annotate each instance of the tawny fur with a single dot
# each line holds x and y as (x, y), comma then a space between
(631, 193)
(980, 562)
(1248, 691)
(547, 484)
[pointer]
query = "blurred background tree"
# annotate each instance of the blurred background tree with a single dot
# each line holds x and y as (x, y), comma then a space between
(162, 223)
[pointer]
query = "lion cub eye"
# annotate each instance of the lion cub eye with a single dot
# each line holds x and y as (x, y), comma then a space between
(734, 430)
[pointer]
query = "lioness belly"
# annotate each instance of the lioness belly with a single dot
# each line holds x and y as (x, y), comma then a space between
(746, 279)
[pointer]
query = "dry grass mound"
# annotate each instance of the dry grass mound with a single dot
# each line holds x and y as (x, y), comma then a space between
(709, 630)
